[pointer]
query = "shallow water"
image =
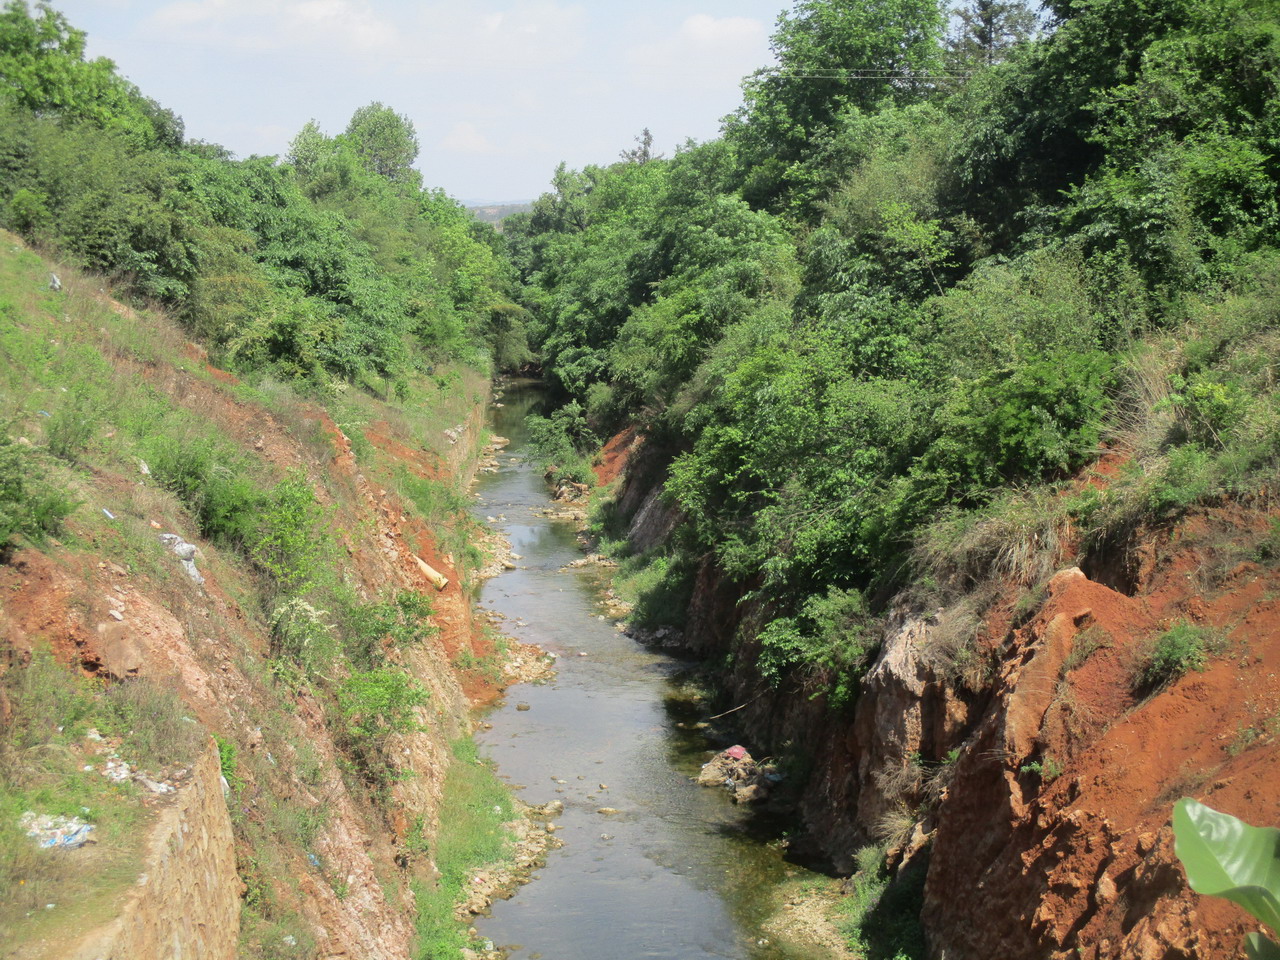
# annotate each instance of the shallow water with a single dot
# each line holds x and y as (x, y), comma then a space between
(680, 871)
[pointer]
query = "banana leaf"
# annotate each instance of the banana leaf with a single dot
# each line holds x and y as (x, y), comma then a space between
(1226, 857)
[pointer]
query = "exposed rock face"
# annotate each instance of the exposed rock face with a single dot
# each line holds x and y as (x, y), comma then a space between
(653, 522)
(1056, 823)
(1050, 834)
(187, 900)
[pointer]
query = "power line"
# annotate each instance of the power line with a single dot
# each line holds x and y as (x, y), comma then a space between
(858, 75)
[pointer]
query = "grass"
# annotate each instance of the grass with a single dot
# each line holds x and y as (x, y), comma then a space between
(1086, 643)
(658, 584)
(1018, 537)
(475, 807)
(882, 912)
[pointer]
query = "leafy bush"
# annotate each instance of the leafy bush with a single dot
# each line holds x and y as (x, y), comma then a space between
(377, 703)
(559, 443)
(1181, 648)
(300, 634)
(833, 639)
(1033, 421)
(29, 505)
(290, 541)
(211, 477)
(402, 620)
(229, 764)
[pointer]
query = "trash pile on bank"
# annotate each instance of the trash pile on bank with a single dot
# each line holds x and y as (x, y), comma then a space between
(734, 769)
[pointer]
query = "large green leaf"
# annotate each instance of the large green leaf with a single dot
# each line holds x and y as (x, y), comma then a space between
(1226, 857)
(1258, 947)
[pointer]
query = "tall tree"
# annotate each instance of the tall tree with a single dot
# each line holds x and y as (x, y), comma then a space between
(385, 140)
(833, 56)
(43, 69)
(642, 152)
(986, 30)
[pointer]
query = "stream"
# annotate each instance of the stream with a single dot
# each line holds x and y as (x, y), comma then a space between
(680, 871)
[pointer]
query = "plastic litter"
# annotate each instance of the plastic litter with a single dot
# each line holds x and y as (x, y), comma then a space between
(736, 752)
(54, 283)
(108, 514)
(185, 552)
(51, 831)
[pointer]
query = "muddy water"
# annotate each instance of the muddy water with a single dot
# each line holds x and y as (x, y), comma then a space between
(679, 871)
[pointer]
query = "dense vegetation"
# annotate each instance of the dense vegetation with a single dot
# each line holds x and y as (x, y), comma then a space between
(332, 265)
(930, 270)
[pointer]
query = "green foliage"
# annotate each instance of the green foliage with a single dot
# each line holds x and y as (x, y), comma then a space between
(401, 620)
(1226, 857)
(834, 638)
(380, 702)
(300, 634)
(29, 505)
(43, 69)
(1048, 769)
(338, 267)
(290, 541)
(833, 58)
(560, 444)
(882, 913)
(385, 141)
(1034, 421)
(475, 807)
(1181, 648)
(228, 763)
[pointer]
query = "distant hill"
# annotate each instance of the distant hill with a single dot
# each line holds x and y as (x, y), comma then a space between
(495, 213)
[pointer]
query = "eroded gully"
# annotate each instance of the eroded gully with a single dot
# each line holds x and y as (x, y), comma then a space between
(679, 871)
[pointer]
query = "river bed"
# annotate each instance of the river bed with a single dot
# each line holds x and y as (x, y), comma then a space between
(679, 871)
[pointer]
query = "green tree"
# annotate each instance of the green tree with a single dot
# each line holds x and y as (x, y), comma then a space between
(385, 140)
(42, 68)
(833, 56)
(986, 30)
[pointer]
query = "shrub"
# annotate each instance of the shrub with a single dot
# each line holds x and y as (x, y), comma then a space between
(560, 442)
(289, 542)
(403, 620)
(1029, 421)
(301, 635)
(1181, 648)
(28, 504)
(228, 762)
(377, 703)
(72, 425)
(833, 640)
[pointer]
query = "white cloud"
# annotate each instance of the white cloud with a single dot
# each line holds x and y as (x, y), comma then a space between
(466, 137)
(502, 35)
(704, 53)
(321, 28)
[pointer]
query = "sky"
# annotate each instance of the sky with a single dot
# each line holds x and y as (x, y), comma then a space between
(500, 91)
